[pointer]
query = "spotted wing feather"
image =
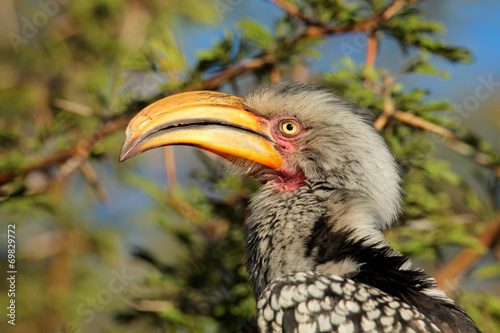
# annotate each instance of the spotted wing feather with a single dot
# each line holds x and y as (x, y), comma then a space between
(309, 302)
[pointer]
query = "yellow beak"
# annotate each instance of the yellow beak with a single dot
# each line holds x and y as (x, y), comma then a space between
(213, 121)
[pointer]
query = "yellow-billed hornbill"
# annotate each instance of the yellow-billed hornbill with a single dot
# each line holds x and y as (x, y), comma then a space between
(315, 251)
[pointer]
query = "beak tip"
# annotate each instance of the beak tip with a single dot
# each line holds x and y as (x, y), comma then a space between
(122, 157)
(125, 153)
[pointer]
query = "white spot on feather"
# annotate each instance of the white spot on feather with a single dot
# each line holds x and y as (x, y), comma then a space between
(326, 304)
(313, 306)
(300, 293)
(302, 308)
(279, 318)
(341, 308)
(307, 327)
(346, 327)
(421, 324)
(324, 323)
(406, 314)
(321, 286)
(315, 291)
(336, 278)
(336, 288)
(361, 295)
(352, 306)
(375, 314)
(286, 296)
(300, 317)
(337, 318)
(348, 289)
(268, 313)
(367, 324)
(369, 305)
(261, 303)
(389, 311)
(386, 320)
(394, 304)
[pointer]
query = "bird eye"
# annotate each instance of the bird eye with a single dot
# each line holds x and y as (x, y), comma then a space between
(289, 127)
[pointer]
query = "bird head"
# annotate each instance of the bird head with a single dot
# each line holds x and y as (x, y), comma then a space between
(288, 136)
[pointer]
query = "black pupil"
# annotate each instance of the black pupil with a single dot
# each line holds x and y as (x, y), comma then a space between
(289, 127)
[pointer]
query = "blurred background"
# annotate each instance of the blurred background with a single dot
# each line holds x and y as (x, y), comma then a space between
(156, 243)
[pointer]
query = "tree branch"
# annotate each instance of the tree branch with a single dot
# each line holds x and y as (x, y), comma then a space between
(247, 66)
(83, 148)
(292, 10)
(480, 158)
(446, 277)
(368, 25)
(169, 160)
(416, 121)
(388, 104)
(371, 50)
(455, 142)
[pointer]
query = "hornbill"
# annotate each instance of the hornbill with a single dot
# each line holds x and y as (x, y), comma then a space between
(315, 252)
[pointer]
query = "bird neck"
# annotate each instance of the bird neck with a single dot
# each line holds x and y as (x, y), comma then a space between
(289, 231)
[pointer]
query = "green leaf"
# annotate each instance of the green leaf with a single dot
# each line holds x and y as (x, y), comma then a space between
(488, 271)
(256, 33)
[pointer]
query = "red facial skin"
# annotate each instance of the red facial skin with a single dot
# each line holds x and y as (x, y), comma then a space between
(288, 177)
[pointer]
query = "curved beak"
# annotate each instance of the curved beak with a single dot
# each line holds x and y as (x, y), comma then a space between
(213, 121)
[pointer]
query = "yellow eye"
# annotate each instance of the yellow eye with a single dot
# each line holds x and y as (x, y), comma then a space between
(289, 127)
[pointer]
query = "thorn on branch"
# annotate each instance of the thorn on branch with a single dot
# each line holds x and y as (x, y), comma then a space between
(91, 177)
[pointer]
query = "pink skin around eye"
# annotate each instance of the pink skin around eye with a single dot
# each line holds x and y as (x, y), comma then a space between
(289, 178)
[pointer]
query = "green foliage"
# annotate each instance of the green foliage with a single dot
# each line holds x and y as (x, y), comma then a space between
(226, 52)
(330, 13)
(256, 34)
(483, 308)
(410, 28)
(207, 285)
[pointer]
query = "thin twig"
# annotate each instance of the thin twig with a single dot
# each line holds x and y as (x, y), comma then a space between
(91, 177)
(81, 149)
(247, 66)
(454, 142)
(275, 75)
(73, 107)
(416, 121)
(291, 9)
(371, 50)
(169, 160)
(388, 104)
